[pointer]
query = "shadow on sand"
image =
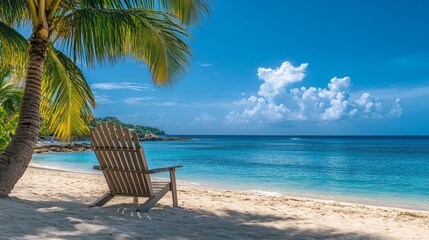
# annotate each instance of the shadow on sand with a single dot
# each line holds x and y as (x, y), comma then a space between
(24, 219)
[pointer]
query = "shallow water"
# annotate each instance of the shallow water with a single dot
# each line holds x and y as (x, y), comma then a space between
(388, 171)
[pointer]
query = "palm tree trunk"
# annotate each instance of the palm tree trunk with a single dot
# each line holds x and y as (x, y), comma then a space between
(17, 155)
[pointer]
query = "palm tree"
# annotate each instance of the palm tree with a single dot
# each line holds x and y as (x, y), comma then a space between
(92, 32)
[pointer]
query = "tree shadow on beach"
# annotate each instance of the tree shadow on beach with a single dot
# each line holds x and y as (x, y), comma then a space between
(25, 219)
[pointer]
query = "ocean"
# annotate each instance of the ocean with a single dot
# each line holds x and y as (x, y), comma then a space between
(384, 171)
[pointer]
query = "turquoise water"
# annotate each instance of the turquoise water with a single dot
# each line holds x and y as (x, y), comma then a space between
(388, 171)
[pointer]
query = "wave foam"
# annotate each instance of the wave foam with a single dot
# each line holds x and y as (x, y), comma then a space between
(267, 193)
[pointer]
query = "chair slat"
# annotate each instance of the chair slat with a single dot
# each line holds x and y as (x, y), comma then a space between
(141, 159)
(118, 158)
(128, 161)
(143, 181)
(117, 133)
(109, 158)
(96, 142)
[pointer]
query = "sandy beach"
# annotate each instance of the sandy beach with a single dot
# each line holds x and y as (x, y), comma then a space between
(50, 204)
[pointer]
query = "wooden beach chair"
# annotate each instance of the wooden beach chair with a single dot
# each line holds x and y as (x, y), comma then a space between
(125, 169)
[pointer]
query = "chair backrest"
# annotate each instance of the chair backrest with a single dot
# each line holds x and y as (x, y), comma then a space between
(122, 160)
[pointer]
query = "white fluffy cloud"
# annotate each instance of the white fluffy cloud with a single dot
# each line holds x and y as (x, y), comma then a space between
(275, 80)
(276, 102)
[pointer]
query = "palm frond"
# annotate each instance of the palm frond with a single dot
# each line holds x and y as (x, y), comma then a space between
(14, 11)
(160, 46)
(13, 48)
(189, 12)
(10, 94)
(102, 36)
(67, 97)
(12, 38)
(102, 4)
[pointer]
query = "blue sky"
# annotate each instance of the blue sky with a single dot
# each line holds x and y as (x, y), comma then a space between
(288, 68)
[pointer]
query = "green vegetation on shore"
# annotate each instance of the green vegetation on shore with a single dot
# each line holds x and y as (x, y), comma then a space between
(8, 124)
(140, 129)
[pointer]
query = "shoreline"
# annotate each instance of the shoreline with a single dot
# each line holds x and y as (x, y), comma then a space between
(83, 146)
(49, 204)
(291, 195)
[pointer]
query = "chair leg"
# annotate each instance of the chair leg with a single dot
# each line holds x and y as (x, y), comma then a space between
(135, 200)
(153, 200)
(102, 200)
(173, 187)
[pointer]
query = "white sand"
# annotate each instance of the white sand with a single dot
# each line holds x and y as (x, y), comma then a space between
(48, 204)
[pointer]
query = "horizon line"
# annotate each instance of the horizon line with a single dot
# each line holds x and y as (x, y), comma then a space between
(305, 135)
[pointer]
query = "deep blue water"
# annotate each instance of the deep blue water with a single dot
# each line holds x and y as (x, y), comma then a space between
(392, 171)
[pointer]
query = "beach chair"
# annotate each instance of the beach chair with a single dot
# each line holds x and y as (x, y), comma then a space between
(125, 169)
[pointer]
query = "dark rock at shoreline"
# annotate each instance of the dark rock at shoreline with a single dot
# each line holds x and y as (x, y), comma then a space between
(153, 137)
(61, 147)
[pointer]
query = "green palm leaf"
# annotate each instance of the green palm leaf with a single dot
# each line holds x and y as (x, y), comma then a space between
(187, 11)
(14, 11)
(102, 36)
(67, 98)
(13, 49)
(10, 94)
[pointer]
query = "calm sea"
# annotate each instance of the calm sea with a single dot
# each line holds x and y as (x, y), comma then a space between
(387, 171)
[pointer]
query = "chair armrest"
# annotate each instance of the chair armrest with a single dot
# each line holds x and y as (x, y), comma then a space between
(97, 167)
(166, 169)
